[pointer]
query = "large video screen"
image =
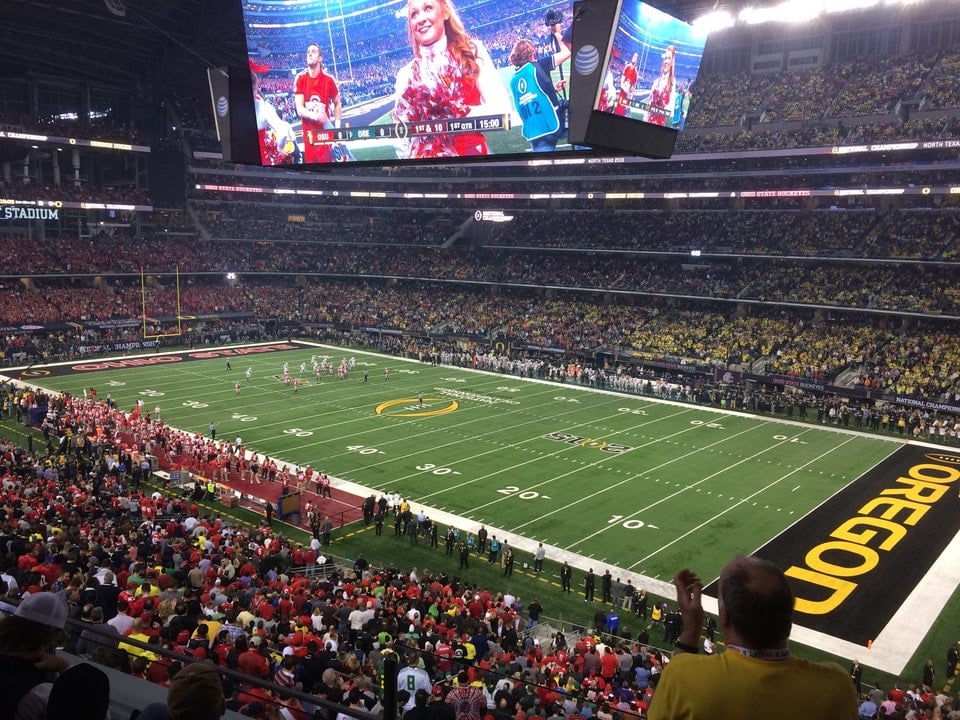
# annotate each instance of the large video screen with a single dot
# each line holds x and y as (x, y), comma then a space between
(651, 66)
(408, 80)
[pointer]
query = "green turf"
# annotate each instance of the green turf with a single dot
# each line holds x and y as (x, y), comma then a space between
(614, 478)
(623, 480)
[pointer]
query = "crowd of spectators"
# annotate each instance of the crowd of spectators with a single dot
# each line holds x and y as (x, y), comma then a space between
(909, 288)
(101, 128)
(291, 223)
(923, 233)
(877, 84)
(154, 584)
(939, 90)
(907, 233)
(836, 348)
(81, 192)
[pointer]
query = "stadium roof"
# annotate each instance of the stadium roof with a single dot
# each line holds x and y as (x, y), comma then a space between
(115, 42)
(130, 42)
(121, 42)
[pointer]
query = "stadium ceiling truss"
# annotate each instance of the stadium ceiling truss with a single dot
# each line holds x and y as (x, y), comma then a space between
(122, 43)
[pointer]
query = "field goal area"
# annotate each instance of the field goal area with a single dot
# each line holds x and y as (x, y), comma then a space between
(152, 314)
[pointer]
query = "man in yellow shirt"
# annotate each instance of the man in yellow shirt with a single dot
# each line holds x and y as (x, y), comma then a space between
(213, 629)
(757, 673)
(137, 633)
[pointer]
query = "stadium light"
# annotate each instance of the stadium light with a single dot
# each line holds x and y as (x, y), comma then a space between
(789, 11)
(838, 6)
(795, 11)
(714, 21)
(754, 16)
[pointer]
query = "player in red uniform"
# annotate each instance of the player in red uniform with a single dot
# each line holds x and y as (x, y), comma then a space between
(318, 104)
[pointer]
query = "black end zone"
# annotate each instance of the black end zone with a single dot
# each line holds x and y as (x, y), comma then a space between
(855, 559)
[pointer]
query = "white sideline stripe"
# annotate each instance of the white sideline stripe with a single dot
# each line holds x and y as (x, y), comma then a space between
(911, 623)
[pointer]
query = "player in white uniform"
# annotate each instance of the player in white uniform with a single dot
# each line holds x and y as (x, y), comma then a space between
(413, 678)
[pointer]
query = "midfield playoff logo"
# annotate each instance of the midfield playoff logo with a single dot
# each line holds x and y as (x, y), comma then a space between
(413, 408)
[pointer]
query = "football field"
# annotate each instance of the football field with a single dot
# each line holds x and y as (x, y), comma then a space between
(641, 485)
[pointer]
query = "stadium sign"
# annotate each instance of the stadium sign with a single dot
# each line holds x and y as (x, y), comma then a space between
(494, 216)
(29, 213)
(119, 347)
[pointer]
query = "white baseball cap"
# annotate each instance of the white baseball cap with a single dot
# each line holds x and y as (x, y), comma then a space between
(45, 608)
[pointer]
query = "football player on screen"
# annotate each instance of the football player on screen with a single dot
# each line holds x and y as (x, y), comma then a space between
(318, 105)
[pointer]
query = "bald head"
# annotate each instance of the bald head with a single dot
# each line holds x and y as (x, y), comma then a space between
(756, 604)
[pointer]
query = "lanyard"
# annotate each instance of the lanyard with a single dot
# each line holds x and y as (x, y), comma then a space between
(778, 654)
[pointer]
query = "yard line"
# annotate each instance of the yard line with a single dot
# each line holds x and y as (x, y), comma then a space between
(688, 487)
(308, 420)
(646, 472)
(329, 407)
(729, 509)
(405, 440)
(536, 459)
